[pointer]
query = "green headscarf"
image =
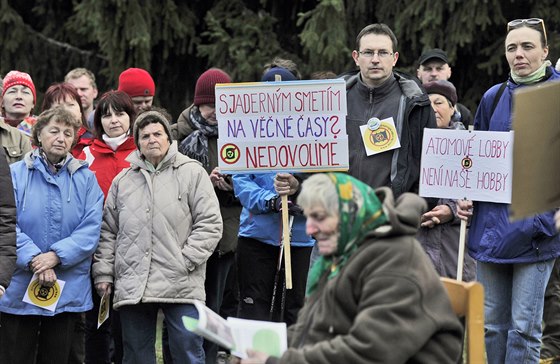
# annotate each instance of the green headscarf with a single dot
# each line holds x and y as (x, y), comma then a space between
(360, 212)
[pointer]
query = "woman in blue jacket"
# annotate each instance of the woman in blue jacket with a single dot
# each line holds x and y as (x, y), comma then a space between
(258, 249)
(59, 206)
(515, 259)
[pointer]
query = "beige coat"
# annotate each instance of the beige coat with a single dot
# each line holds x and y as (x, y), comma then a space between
(158, 231)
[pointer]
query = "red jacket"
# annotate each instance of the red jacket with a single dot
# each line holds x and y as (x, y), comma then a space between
(81, 143)
(105, 162)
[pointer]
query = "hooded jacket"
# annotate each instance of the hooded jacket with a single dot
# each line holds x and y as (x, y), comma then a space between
(417, 114)
(386, 305)
(159, 229)
(7, 223)
(492, 237)
(55, 212)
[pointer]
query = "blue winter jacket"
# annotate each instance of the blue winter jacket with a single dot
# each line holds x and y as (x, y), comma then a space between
(492, 237)
(257, 220)
(55, 212)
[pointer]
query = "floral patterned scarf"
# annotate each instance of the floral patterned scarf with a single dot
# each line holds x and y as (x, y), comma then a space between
(360, 212)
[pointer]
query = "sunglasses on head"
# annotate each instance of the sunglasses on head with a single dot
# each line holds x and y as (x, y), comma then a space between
(535, 23)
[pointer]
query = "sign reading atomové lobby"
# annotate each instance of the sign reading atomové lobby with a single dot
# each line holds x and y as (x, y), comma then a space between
(460, 164)
(296, 126)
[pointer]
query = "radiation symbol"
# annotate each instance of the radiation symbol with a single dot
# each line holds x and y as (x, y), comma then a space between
(230, 153)
(379, 139)
(43, 296)
(466, 163)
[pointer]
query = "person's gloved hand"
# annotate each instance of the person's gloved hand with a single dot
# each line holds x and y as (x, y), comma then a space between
(275, 205)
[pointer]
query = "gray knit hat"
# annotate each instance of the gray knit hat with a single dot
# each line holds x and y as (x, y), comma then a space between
(150, 117)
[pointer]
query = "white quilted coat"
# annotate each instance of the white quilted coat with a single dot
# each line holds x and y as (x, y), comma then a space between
(158, 231)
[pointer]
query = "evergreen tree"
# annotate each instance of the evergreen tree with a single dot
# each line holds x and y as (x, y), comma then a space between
(176, 41)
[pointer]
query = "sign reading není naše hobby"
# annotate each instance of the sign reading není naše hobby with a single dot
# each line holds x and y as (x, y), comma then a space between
(460, 164)
(293, 126)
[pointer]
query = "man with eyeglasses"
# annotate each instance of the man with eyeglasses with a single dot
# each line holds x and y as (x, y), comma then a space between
(384, 104)
(433, 65)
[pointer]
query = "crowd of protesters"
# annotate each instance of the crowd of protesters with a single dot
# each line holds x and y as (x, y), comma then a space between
(113, 200)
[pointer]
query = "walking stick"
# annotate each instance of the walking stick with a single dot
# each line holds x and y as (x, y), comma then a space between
(277, 278)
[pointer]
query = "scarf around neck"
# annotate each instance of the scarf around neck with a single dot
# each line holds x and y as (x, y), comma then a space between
(533, 77)
(115, 142)
(195, 145)
(360, 212)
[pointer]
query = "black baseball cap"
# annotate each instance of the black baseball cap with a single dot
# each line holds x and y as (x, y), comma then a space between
(433, 53)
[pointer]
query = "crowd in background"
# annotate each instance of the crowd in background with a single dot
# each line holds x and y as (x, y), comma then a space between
(111, 198)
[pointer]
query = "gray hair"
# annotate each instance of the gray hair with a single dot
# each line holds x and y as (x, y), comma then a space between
(319, 190)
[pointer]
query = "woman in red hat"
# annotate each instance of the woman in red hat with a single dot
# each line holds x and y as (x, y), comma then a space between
(19, 99)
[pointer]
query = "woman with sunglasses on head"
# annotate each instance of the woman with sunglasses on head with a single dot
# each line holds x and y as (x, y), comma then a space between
(514, 259)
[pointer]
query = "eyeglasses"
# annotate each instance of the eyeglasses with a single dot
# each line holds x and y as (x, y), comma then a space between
(535, 23)
(381, 54)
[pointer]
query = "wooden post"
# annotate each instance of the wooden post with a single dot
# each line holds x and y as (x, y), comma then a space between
(286, 242)
(286, 236)
(461, 256)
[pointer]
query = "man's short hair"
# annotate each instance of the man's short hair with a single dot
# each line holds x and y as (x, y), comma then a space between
(378, 28)
(79, 72)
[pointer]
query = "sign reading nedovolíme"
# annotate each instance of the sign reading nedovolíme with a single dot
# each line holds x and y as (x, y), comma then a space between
(292, 126)
(461, 164)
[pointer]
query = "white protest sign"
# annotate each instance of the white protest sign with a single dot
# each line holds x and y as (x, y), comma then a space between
(462, 164)
(297, 126)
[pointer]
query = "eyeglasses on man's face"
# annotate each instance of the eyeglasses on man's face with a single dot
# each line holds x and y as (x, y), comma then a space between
(381, 53)
(535, 23)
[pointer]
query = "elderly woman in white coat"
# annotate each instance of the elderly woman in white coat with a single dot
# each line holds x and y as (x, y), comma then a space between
(160, 225)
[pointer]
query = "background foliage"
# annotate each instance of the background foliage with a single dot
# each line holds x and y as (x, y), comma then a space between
(178, 40)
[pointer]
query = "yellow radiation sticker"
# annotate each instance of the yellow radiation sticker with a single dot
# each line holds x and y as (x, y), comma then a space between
(380, 139)
(43, 296)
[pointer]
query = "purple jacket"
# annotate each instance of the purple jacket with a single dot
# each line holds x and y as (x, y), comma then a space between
(492, 237)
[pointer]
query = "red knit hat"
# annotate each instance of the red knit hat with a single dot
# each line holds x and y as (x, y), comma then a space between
(14, 78)
(137, 82)
(204, 91)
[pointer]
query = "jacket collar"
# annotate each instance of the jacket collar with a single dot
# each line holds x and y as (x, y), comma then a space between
(33, 160)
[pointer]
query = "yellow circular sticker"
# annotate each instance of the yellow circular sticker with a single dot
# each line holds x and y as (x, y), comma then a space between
(379, 139)
(41, 295)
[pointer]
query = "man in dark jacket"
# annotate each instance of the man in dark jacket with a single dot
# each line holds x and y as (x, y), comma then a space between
(7, 225)
(383, 105)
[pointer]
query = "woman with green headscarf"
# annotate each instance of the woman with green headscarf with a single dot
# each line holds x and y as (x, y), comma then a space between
(373, 296)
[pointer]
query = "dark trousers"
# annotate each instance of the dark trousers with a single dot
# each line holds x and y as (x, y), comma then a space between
(218, 269)
(47, 339)
(256, 269)
(101, 343)
(551, 315)
(77, 350)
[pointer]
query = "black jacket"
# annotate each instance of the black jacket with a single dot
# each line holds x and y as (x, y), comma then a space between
(7, 223)
(418, 114)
